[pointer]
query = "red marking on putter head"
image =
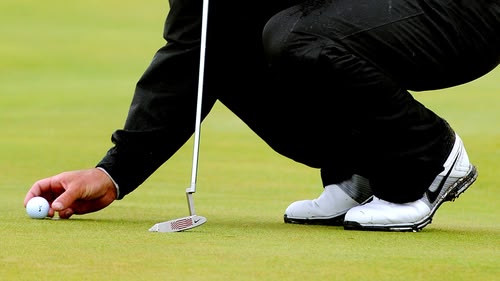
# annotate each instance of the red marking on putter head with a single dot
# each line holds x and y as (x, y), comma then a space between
(179, 224)
(182, 223)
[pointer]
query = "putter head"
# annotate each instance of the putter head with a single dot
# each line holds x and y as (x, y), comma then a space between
(180, 224)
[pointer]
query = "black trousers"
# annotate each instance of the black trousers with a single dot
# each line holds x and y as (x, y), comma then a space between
(323, 82)
(340, 72)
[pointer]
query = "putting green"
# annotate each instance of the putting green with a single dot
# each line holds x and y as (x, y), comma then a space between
(67, 72)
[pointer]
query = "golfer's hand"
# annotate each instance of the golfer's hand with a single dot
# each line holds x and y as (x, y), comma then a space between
(75, 192)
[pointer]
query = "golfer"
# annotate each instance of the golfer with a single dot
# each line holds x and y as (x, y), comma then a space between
(325, 83)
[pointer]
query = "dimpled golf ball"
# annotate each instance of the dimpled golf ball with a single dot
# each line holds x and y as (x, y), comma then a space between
(37, 208)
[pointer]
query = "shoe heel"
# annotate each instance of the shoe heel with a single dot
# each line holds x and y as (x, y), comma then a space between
(462, 185)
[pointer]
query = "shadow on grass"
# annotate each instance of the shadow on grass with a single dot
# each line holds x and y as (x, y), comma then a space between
(255, 224)
(465, 230)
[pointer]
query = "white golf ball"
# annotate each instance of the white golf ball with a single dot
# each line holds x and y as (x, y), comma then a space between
(37, 208)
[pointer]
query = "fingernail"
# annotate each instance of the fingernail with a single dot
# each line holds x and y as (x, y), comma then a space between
(57, 206)
(67, 213)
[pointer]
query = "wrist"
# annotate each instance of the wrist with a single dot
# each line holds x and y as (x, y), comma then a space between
(117, 188)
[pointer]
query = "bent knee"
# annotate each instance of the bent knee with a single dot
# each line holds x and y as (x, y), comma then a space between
(287, 44)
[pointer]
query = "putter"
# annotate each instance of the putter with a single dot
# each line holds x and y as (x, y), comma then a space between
(192, 220)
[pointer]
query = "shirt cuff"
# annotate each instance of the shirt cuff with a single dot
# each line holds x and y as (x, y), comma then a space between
(114, 182)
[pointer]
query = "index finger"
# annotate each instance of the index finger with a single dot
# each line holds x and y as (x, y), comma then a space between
(49, 188)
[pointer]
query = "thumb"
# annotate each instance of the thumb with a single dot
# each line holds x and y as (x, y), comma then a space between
(65, 200)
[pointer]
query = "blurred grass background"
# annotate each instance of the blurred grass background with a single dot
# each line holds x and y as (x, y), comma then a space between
(67, 73)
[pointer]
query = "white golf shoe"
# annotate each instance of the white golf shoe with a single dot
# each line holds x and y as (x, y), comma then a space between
(382, 215)
(330, 207)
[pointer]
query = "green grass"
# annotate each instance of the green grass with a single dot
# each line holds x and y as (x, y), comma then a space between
(67, 72)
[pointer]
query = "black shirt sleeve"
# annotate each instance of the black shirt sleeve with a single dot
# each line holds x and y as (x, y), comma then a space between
(161, 117)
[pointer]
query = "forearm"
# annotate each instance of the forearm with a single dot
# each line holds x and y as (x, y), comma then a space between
(160, 120)
(136, 155)
(162, 114)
